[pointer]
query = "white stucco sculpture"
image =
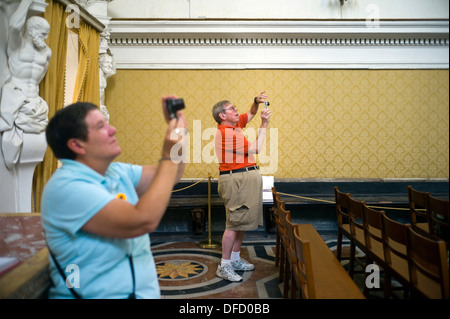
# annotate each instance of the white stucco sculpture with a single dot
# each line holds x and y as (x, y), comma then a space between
(107, 69)
(3, 42)
(23, 113)
(99, 9)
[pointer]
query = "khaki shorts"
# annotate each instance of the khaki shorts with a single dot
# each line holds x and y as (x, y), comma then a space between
(242, 195)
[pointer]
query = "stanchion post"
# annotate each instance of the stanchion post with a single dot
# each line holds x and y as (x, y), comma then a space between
(209, 243)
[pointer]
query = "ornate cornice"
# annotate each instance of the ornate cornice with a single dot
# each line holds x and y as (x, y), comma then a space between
(280, 44)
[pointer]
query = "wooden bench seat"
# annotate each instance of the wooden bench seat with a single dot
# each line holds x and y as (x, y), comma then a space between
(331, 280)
(29, 280)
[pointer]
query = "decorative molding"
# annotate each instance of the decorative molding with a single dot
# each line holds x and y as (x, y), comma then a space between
(38, 6)
(212, 44)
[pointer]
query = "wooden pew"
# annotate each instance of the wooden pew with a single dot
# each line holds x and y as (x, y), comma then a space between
(29, 280)
(331, 280)
(23, 237)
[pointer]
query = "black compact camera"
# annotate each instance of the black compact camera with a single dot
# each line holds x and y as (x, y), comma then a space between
(173, 106)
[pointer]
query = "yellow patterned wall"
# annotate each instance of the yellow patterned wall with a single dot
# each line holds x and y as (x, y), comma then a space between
(329, 123)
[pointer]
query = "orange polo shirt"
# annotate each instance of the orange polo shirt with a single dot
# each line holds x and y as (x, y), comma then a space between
(232, 147)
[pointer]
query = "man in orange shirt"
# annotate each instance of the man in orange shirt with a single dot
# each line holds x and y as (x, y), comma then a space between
(240, 182)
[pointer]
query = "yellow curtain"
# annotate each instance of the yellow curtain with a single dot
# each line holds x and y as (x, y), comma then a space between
(51, 89)
(87, 85)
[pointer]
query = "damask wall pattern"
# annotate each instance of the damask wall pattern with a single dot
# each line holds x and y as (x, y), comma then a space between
(325, 123)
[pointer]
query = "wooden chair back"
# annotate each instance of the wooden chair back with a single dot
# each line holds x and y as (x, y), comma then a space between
(275, 195)
(343, 219)
(439, 216)
(373, 232)
(395, 238)
(304, 270)
(287, 239)
(279, 203)
(286, 224)
(418, 207)
(428, 267)
(278, 251)
(282, 212)
(284, 215)
(289, 235)
(356, 212)
(281, 230)
(342, 207)
(276, 210)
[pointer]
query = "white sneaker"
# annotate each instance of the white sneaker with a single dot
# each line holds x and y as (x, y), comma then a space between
(227, 272)
(242, 265)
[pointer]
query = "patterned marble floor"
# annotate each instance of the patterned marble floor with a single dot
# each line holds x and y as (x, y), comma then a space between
(188, 271)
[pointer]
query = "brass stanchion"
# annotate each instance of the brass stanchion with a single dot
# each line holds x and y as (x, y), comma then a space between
(209, 243)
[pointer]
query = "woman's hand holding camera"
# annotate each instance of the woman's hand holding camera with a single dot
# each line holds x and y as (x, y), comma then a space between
(176, 130)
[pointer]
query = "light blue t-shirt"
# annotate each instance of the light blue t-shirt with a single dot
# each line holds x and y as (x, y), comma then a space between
(72, 196)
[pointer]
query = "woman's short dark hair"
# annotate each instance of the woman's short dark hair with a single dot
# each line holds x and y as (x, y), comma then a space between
(68, 122)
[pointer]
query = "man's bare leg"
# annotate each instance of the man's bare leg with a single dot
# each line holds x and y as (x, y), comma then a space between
(225, 269)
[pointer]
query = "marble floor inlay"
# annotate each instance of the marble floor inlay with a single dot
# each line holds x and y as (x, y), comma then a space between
(187, 271)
